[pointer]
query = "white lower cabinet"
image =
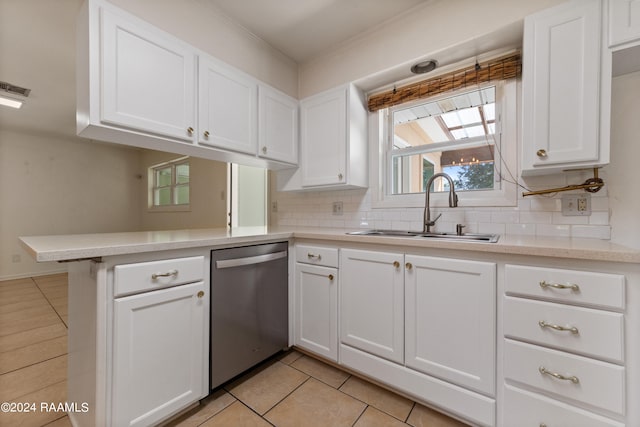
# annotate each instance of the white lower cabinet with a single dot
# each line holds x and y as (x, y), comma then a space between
(423, 325)
(158, 350)
(372, 302)
(563, 363)
(450, 313)
(316, 309)
(531, 409)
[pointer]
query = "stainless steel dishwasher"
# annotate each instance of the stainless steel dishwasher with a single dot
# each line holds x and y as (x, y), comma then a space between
(249, 307)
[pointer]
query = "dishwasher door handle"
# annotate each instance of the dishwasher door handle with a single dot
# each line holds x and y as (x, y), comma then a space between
(237, 262)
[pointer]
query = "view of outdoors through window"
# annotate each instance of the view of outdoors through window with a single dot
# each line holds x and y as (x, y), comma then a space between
(453, 135)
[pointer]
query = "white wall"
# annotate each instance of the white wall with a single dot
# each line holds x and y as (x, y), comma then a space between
(623, 172)
(438, 26)
(207, 193)
(50, 185)
(202, 25)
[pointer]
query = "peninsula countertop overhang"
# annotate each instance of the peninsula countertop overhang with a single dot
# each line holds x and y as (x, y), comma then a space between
(87, 246)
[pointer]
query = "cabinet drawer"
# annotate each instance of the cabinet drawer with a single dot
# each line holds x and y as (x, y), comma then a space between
(522, 408)
(599, 333)
(317, 255)
(145, 276)
(597, 383)
(598, 289)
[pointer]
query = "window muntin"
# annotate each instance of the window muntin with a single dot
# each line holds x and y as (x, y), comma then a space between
(170, 184)
(454, 134)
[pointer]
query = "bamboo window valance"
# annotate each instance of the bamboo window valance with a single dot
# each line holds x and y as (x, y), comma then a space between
(502, 68)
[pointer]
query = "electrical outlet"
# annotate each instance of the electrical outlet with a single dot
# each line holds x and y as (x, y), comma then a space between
(337, 208)
(576, 204)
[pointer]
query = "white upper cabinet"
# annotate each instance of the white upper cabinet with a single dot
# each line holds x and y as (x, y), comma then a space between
(228, 107)
(624, 22)
(138, 85)
(333, 142)
(147, 77)
(566, 86)
(277, 125)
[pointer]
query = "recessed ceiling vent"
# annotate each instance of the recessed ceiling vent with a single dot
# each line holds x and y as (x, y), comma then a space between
(14, 90)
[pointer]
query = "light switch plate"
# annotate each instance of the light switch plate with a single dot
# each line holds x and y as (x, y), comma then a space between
(576, 204)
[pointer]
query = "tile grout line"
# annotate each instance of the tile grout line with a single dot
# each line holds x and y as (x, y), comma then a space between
(49, 302)
(35, 363)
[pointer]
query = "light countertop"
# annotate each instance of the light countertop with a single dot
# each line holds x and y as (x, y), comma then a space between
(82, 246)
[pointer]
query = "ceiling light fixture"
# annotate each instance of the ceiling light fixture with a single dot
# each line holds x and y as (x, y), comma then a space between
(424, 66)
(10, 102)
(13, 90)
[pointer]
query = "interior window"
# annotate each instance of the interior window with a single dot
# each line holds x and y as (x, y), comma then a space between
(454, 135)
(170, 184)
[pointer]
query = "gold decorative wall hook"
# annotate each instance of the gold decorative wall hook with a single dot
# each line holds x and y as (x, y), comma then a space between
(591, 185)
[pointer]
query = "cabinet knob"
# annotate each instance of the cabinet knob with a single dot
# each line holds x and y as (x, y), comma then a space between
(200, 294)
(206, 134)
(190, 130)
(340, 176)
(330, 277)
(541, 153)
(408, 266)
(264, 150)
(396, 264)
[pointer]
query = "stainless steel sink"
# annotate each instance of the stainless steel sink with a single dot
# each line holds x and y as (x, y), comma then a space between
(465, 237)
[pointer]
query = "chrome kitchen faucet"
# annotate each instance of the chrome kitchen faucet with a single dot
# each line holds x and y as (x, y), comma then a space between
(453, 201)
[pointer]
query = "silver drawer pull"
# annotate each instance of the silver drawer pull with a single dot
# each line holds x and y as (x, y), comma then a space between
(170, 273)
(571, 329)
(556, 375)
(573, 287)
(314, 256)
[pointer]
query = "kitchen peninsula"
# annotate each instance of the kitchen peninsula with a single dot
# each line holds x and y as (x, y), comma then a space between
(515, 276)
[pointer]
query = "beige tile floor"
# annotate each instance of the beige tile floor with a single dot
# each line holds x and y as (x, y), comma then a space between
(291, 390)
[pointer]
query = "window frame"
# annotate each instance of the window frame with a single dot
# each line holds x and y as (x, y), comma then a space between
(173, 207)
(507, 118)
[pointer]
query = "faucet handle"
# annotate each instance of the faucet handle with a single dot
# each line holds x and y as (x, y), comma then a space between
(432, 223)
(459, 228)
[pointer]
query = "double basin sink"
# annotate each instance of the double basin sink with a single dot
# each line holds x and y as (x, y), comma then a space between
(464, 237)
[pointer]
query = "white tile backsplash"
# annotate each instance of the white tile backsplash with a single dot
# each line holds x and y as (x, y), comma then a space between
(534, 215)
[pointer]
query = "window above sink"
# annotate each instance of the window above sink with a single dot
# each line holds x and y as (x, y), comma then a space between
(470, 134)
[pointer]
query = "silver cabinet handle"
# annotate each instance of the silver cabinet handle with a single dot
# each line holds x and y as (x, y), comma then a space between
(314, 256)
(170, 273)
(558, 376)
(571, 286)
(571, 329)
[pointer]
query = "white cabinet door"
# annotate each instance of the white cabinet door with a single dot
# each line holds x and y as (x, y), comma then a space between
(159, 354)
(450, 308)
(372, 302)
(561, 84)
(148, 78)
(323, 124)
(316, 309)
(624, 21)
(228, 107)
(277, 125)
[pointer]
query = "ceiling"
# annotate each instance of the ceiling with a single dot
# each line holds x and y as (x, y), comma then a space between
(303, 29)
(40, 55)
